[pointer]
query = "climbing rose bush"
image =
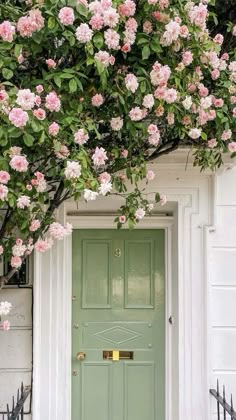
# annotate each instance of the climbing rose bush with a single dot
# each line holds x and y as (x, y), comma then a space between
(90, 93)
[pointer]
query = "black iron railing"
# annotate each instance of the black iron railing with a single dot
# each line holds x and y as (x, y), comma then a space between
(223, 407)
(17, 410)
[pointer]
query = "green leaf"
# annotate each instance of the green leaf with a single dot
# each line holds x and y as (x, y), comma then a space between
(28, 139)
(51, 22)
(204, 136)
(82, 10)
(17, 50)
(146, 52)
(57, 80)
(72, 86)
(157, 197)
(155, 46)
(98, 40)
(7, 73)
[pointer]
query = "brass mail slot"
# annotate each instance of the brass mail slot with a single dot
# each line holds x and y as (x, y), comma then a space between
(117, 355)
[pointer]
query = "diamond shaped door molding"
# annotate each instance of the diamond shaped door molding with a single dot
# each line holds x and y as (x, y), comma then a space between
(117, 335)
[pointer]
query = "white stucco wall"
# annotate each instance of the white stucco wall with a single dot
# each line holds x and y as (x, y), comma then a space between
(222, 287)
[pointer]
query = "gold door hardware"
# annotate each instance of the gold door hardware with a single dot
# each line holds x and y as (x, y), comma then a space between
(117, 252)
(117, 355)
(80, 356)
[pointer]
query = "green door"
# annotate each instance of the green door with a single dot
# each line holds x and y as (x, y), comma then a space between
(118, 325)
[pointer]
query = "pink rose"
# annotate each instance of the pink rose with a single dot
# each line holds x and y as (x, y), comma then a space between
(4, 177)
(124, 153)
(3, 192)
(19, 163)
(150, 175)
(66, 16)
(84, 33)
(122, 219)
(1, 249)
(18, 117)
(51, 63)
(100, 156)
(5, 325)
(40, 114)
(97, 100)
(53, 102)
(39, 88)
(16, 261)
(53, 129)
(163, 199)
(7, 30)
(232, 147)
(35, 225)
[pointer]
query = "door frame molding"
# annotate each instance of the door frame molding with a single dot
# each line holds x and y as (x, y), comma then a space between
(191, 197)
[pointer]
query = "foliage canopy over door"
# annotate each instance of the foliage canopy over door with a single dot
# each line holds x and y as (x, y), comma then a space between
(118, 313)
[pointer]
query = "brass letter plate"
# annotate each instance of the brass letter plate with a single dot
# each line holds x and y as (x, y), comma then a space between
(117, 355)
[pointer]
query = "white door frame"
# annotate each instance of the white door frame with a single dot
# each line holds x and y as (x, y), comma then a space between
(191, 198)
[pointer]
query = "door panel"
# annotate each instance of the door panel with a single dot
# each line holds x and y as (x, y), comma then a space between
(118, 284)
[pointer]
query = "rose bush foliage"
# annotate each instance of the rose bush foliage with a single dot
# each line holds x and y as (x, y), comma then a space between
(90, 93)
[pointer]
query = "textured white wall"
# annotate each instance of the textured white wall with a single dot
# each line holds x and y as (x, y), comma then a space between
(222, 287)
(16, 346)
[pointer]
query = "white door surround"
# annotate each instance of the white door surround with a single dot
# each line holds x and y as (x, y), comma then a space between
(190, 198)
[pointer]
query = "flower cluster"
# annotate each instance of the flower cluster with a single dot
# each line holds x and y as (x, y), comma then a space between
(90, 93)
(5, 308)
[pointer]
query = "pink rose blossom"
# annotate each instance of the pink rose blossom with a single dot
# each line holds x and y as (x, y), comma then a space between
(37, 19)
(51, 63)
(233, 99)
(16, 261)
(218, 39)
(136, 114)
(117, 123)
(127, 8)
(84, 33)
(53, 129)
(163, 199)
(23, 202)
(38, 100)
(184, 32)
(104, 177)
(97, 100)
(218, 102)
(19, 163)
(234, 30)
(148, 101)
(59, 231)
(154, 139)
(1, 249)
(43, 245)
(100, 156)
(212, 143)
(150, 175)
(187, 58)
(234, 112)
(3, 192)
(18, 117)
(20, 58)
(226, 135)
(7, 31)
(203, 91)
(25, 99)
(112, 39)
(160, 74)
(140, 213)
(198, 15)
(35, 225)
(39, 88)
(53, 102)
(4, 177)
(72, 170)
(63, 153)
(131, 25)
(81, 137)
(27, 25)
(124, 153)
(215, 74)
(152, 129)
(170, 95)
(122, 219)
(232, 146)
(40, 114)
(103, 57)
(111, 17)
(66, 16)
(96, 22)
(5, 325)
(147, 27)
(195, 133)
(131, 82)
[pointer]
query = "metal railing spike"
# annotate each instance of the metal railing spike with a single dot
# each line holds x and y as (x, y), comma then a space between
(221, 402)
